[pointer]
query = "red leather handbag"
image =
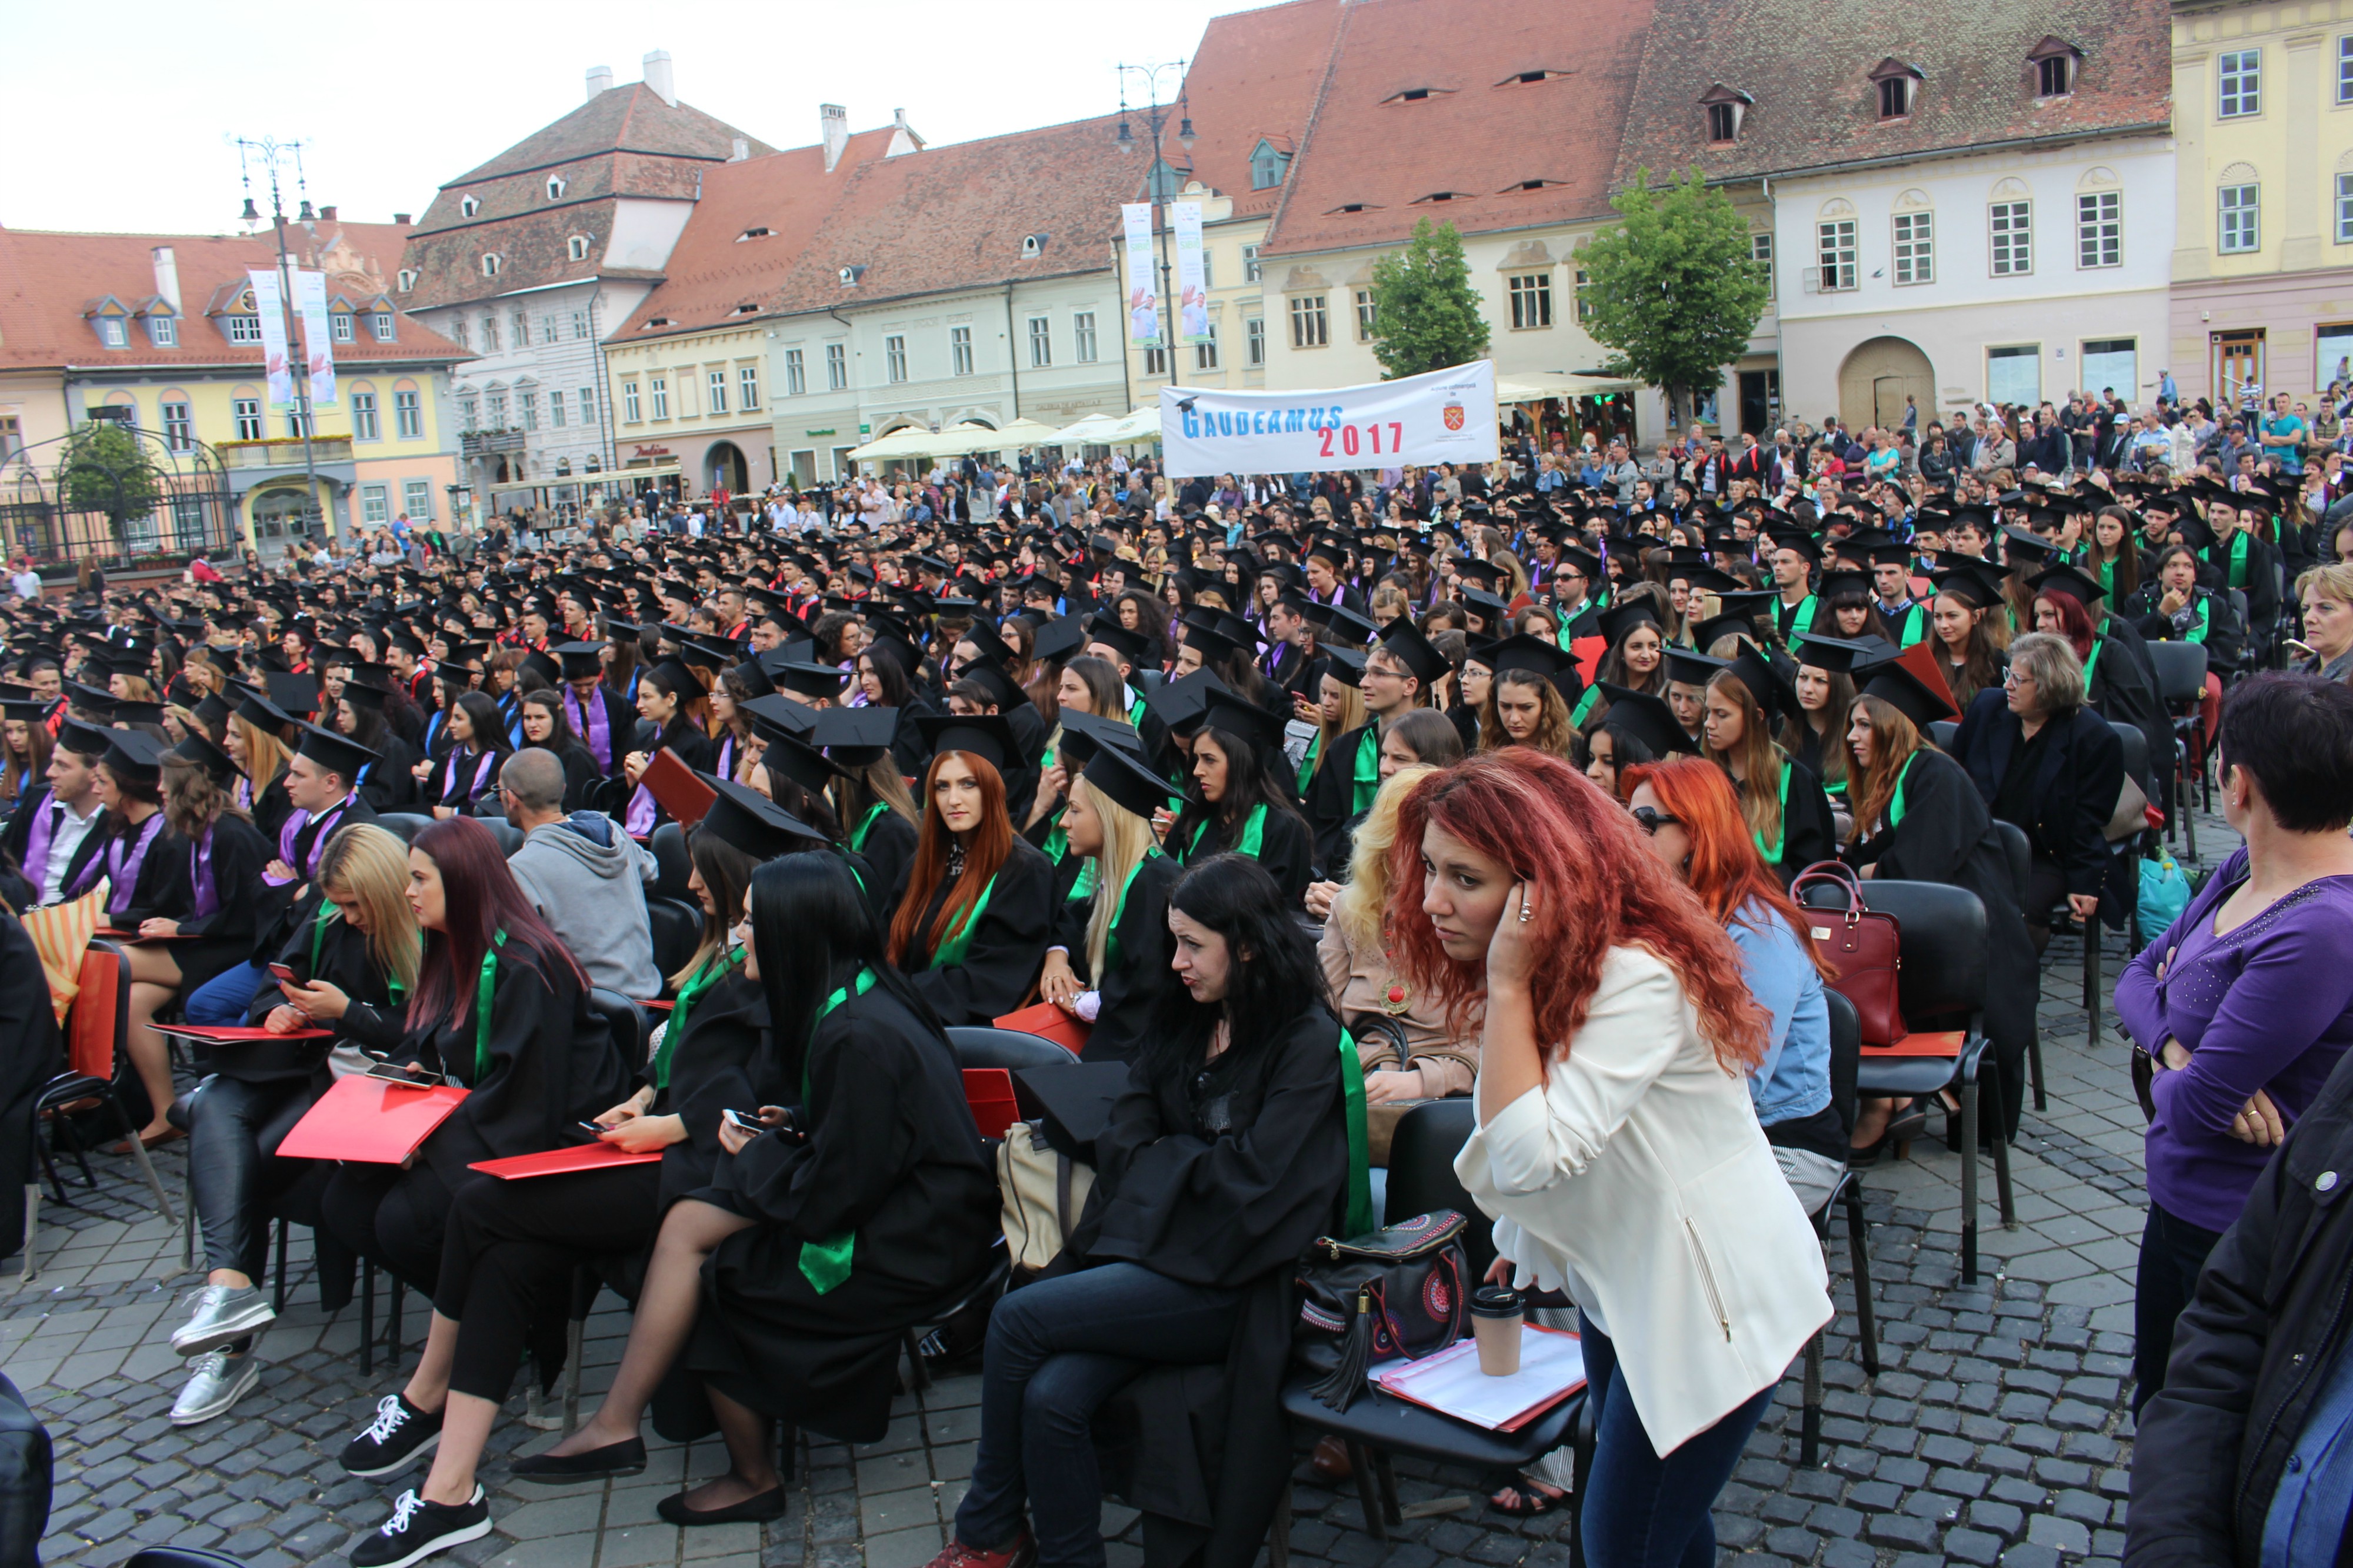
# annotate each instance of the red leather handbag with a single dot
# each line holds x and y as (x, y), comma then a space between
(1862, 946)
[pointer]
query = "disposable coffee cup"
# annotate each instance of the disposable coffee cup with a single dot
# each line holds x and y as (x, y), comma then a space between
(1495, 1318)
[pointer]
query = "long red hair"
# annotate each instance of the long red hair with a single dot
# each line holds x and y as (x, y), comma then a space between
(2074, 620)
(983, 854)
(1597, 888)
(1726, 870)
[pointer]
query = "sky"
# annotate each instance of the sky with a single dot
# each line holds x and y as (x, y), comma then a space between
(390, 102)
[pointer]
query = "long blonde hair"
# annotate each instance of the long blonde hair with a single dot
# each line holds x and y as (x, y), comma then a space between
(1127, 839)
(1357, 907)
(265, 758)
(371, 866)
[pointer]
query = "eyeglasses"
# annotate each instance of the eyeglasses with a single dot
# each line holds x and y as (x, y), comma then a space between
(1649, 819)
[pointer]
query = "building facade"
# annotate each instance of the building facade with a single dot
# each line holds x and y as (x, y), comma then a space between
(2262, 264)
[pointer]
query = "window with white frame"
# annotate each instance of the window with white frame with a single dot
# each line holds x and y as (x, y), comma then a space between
(408, 415)
(382, 326)
(2242, 75)
(795, 374)
(376, 505)
(364, 423)
(247, 412)
(339, 327)
(1041, 343)
(1584, 295)
(579, 325)
(244, 329)
(894, 357)
(163, 331)
(836, 367)
(2345, 69)
(179, 428)
(657, 388)
(522, 339)
(2241, 210)
(1531, 296)
(747, 388)
(459, 334)
(492, 262)
(1209, 269)
(1155, 362)
(1835, 247)
(495, 411)
(489, 334)
(547, 328)
(1205, 353)
(2099, 228)
(2012, 236)
(1915, 247)
(111, 331)
(1250, 270)
(1083, 336)
(1311, 325)
(715, 384)
(1760, 251)
(527, 404)
(1254, 341)
(416, 499)
(587, 405)
(2345, 209)
(630, 407)
(960, 351)
(555, 410)
(1364, 315)
(468, 415)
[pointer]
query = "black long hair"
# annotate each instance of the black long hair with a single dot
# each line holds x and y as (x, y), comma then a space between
(490, 725)
(890, 670)
(1273, 976)
(813, 929)
(1250, 780)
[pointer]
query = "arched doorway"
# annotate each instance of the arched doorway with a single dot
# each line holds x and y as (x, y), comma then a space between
(1877, 377)
(283, 515)
(724, 468)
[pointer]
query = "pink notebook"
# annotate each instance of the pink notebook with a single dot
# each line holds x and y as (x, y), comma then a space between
(370, 1121)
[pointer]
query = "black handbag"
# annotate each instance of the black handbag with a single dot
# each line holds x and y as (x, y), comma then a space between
(1402, 1291)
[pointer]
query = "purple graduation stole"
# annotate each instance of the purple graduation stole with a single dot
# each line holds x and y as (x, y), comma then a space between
(290, 834)
(642, 812)
(595, 728)
(123, 867)
(37, 845)
(726, 757)
(200, 872)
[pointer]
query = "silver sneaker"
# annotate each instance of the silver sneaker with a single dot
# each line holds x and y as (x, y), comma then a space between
(216, 1380)
(224, 1314)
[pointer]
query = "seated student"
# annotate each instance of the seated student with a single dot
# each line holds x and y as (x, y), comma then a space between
(468, 769)
(1088, 688)
(1781, 798)
(535, 1060)
(1637, 728)
(354, 964)
(663, 696)
(585, 878)
(1524, 705)
(1109, 960)
(1813, 729)
(257, 740)
(1076, 742)
(510, 1242)
(546, 729)
(55, 834)
(1237, 805)
(389, 784)
(869, 799)
(2177, 607)
(972, 911)
(1401, 673)
(1229, 1153)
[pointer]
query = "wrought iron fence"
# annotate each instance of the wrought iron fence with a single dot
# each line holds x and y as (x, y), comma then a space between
(185, 508)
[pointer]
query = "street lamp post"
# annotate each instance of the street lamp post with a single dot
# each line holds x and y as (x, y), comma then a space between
(1155, 119)
(269, 152)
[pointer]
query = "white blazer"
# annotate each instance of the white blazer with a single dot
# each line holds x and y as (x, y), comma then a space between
(1638, 1181)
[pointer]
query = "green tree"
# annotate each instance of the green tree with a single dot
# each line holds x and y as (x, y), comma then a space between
(103, 469)
(1674, 287)
(1424, 312)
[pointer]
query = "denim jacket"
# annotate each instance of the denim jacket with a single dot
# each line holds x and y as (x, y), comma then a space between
(1794, 1078)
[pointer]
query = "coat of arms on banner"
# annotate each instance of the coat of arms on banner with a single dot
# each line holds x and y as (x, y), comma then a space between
(1453, 415)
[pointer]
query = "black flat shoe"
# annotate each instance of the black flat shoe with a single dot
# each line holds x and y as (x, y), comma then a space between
(758, 1509)
(625, 1457)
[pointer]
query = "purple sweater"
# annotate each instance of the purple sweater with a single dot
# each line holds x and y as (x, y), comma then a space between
(2268, 1006)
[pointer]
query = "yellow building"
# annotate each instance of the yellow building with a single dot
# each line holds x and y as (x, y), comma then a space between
(2263, 259)
(160, 333)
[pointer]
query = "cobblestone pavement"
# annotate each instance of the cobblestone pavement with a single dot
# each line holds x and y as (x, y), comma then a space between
(1997, 1430)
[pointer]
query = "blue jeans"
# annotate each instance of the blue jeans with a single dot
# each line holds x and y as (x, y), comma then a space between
(1641, 1511)
(225, 997)
(1057, 1350)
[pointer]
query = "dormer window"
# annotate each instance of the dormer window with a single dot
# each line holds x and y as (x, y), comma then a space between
(1530, 77)
(163, 331)
(111, 331)
(1722, 122)
(850, 274)
(655, 321)
(1528, 185)
(1725, 108)
(1033, 246)
(745, 310)
(1445, 196)
(1417, 95)
(555, 188)
(1898, 86)
(1268, 164)
(492, 262)
(407, 280)
(1355, 207)
(576, 247)
(339, 326)
(762, 232)
(2054, 62)
(468, 206)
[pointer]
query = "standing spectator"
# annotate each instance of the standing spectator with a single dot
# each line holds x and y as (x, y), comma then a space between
(2283, 433)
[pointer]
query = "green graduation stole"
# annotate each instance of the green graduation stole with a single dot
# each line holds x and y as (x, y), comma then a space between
(825, 1264)
(1915, 625)
(2108, 575)
(2238, 570)
(329, 912)
(866, 826)
(482, 1010)
(1118, 911)
(703, 979)
(1804, 620)
(952, 946)
(1083, 886)
(2197, 632)
(1307, 762)
(1361, 1217)
(1772, 852)
(1584, 706)
(1253, 840)
(1368, 779)
(1895, 804)
(1135, 711)
(2093, 663)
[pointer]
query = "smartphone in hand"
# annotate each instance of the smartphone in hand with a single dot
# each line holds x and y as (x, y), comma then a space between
(283, 975)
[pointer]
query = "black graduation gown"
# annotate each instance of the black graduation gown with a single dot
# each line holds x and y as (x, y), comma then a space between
(29, 1026)
(387, 782)
(888, 848)
(1331, 796)
(2226, 639)
(339, 955)
(2080, 773)
(18, 838)
(1008, 941)
(462, 776)
(2124, 692)
(723, 1062)
(581, 774)
(225, 937)
(892, 1155)
(272, 807)
(1233, 1212)
(1809, 831)
(163, 891)
(1947, 836)
(1284, 848)
(282, 909)
(1136, 977)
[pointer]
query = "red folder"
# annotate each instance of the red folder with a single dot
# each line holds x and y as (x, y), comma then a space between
(1588, 652)
(370, 1121)
(989, 1092)
(235, 1035)
(562, 1161)
(1935, 1043)
(1050, 1023)
(669, 781)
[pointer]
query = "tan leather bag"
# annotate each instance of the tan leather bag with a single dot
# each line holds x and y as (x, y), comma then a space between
(1043, 1193)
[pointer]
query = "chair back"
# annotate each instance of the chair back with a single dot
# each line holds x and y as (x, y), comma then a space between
(508, 836)
(101, 1019)
(1421, 1173)
(2019, 853)
(677, 930)
(2180, 671)
(1846, 1056)
(2135, 741)
(672, 865)
(1943, 731)
(626, 1019)
(404, 825)
(1942, 982)
(978, 1046)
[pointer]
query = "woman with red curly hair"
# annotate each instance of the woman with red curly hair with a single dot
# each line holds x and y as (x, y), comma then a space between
(1616, 1145)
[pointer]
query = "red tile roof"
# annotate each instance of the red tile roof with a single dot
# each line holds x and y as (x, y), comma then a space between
(1480, 133)
(712, 269)
(1809, 64)
(1253, 78)
(48, 280)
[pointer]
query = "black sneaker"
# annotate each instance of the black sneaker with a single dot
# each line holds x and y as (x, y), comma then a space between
(418, 1529)
(400, 1435)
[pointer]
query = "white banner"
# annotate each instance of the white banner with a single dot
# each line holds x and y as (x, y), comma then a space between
(1192, 288)
(1442, 416)
(311, 299)
(1142, 294)
(269, 306)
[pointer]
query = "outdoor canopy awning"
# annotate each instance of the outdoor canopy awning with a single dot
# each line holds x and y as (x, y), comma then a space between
(1088, 431)
(1141, 425)
(1538, 387)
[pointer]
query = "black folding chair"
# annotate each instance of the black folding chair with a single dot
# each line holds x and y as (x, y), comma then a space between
(671, 862)
(979, 1046)
(1846, 1061)
(2181, 687)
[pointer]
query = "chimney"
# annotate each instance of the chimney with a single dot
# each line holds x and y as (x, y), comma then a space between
(167, 276)
(658, 76)
(833, 125)
(326, 214)
(739, 151)
(600, 79)
(400, 218)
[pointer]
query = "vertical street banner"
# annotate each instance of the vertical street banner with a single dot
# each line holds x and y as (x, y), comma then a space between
(1142, 292)
(1192, 287)
(1443, 417)
(270, 308)
(319, 343)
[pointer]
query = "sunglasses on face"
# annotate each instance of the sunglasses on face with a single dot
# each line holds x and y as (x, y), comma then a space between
(1649, 819)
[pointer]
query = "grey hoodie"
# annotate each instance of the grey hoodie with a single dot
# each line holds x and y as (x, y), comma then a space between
(589, 881)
